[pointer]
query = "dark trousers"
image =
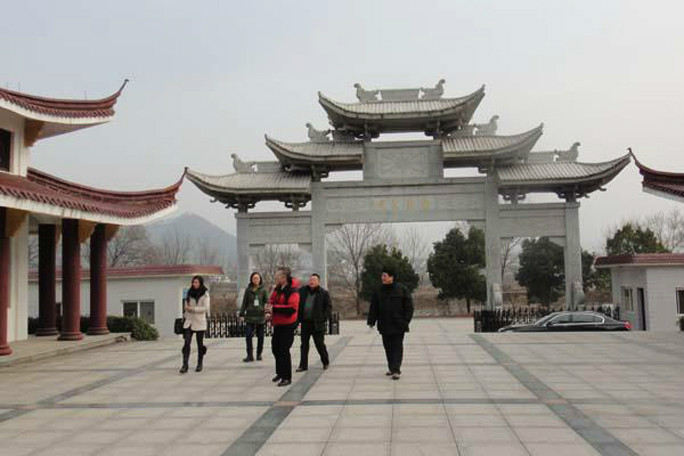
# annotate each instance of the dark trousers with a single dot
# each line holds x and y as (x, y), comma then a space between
(394, 350)
(281, 342)
(250, 329)
(308, 330)
(201, 349)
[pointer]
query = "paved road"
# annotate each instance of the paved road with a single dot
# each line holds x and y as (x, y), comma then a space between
(460, 393)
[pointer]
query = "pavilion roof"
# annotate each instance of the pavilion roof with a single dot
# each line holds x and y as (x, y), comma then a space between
(250, 187)
(428, 115)
(661, 183)
(458, 151)
(333, 154)
(559, 177)
(46, 117)
(469, 150)
(42, 193)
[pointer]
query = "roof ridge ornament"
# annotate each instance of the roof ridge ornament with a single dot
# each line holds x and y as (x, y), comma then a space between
(365, 96)
(488, 129)
(317, 136)
(406, 94)
(434, 93)
(242, 167)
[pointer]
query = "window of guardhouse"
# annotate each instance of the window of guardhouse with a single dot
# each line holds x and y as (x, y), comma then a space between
(5, 149)
(627, 299)
(680, 300)
(141, 309)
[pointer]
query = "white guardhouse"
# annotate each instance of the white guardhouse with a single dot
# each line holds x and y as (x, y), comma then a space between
(153, 292)
(648, 288)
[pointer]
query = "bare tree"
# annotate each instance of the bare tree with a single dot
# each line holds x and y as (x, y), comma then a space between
(668, 228)
(349, 245)
(33, 251)
(274, 256)
(174, 247)
(507, 254)
(205, 253)
(131, 246)
(416, 248)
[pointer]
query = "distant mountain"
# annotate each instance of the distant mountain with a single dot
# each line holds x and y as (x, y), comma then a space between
(194, 227)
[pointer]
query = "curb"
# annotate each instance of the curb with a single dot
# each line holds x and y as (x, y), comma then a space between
(125, 337)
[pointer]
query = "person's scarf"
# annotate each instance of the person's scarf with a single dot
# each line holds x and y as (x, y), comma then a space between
(196, 293)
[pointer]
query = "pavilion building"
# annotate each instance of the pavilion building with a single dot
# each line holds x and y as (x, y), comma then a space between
(404, 181)
(32, 201)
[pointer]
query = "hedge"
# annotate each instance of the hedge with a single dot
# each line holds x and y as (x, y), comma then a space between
(139, 329)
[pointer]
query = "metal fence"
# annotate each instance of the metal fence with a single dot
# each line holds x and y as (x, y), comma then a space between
(491, 320)
(225, 325)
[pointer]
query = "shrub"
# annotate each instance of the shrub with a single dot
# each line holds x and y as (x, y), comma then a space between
(143, 331)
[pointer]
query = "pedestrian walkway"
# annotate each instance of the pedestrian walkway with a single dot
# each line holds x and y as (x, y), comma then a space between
(460, 394)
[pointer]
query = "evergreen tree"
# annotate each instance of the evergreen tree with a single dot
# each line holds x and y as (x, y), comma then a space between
(541, 270)
(379, 257)
(455, 266)
(631, 239)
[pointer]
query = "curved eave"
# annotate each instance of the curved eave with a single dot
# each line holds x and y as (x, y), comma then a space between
(560, 177)
(403, 116)
(475, 150)
(41, 193)
(228, 190)
(661, 183)
(329, 159)
(47, 117)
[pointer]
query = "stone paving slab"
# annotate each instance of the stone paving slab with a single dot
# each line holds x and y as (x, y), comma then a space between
(460, 394)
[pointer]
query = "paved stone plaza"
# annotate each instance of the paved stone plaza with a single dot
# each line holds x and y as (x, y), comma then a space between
(460, 393)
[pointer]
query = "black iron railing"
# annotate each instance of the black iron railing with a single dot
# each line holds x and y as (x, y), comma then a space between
(492, 320)
(225, 325)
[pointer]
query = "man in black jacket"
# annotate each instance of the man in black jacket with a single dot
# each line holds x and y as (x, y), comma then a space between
(392, 308)
(314, 311)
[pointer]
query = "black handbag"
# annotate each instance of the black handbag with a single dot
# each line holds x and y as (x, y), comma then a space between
(178, 325)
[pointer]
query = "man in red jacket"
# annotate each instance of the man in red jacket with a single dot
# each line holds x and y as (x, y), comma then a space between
(284, 307)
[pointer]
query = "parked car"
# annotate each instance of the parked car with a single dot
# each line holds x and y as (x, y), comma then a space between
(572, 321)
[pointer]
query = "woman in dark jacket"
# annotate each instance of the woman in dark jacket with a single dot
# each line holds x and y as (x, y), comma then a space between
(252, 310)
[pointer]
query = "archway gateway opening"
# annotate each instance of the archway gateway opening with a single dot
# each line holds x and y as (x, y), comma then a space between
(404, 181)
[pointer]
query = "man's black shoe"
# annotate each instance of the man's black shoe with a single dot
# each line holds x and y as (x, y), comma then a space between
(301, 369)
(198, 368)
(284, 382)
(249, 359)
(183, 369)
(276, 379)
(259, 358)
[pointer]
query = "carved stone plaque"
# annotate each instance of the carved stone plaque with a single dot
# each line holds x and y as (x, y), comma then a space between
(402, 163)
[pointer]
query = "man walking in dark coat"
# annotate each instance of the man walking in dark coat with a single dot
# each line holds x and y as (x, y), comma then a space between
(315, 310)
(392, 308)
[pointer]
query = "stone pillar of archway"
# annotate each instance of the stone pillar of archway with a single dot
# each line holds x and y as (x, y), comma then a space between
(242, 234)
(318, 232)
(493, 242)
(47, 280)
(573, 257)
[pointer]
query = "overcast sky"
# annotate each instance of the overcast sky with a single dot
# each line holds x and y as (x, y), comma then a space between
(210, 78)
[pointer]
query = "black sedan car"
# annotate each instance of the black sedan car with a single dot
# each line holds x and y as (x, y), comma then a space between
(572, 321)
